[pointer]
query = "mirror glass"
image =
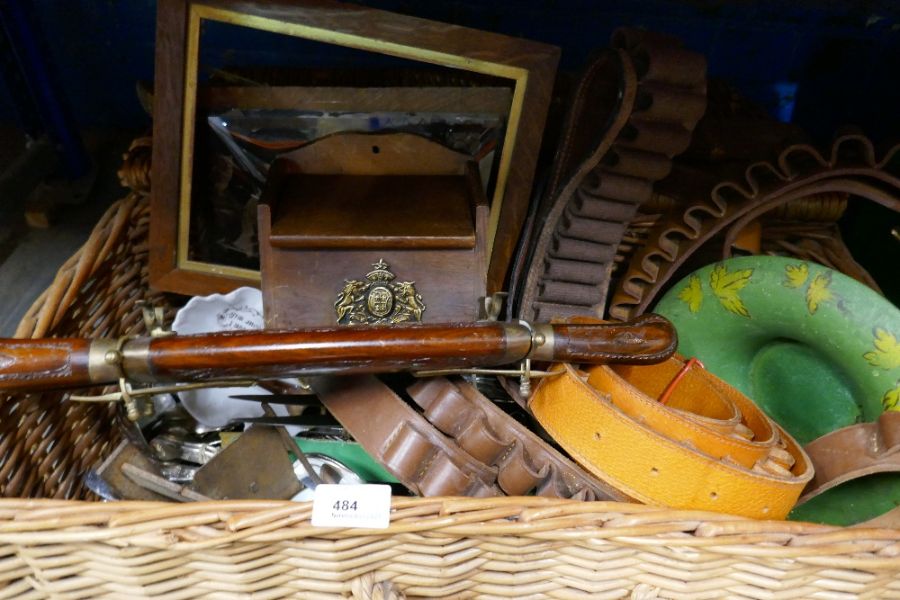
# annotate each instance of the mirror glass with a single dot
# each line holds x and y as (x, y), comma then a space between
(255, 95)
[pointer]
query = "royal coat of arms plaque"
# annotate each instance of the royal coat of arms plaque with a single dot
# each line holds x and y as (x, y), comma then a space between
(378, 299)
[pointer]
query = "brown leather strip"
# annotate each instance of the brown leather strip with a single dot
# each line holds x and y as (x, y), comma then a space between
(853, 452)
(412, 450)
(657, 56)
(569, 269)
(487, 452)
(575, 164)
(852, 166)
(610, 154)
(525, 463)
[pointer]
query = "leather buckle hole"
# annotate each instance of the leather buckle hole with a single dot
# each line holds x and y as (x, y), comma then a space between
(375, 149)
(654, 471)
(714, 495)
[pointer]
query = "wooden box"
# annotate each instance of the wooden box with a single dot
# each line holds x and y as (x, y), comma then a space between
(384, 229)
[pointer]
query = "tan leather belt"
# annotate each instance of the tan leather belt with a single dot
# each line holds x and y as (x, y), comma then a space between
(853, 452)
(707, 448)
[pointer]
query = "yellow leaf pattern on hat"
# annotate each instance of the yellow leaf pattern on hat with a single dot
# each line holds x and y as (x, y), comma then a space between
(886, 354)
(891, 399)
(692, 295)
(795, 275)
(818, 292)
(726, 286)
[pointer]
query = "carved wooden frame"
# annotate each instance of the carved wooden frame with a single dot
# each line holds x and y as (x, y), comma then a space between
(531, 65)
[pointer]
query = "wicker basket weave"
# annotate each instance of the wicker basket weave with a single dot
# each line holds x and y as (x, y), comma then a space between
(435, 547)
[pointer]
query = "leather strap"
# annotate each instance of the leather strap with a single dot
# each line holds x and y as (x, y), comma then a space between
(419, 456)
(853, 452)
(525, 463)
(708, 448)
(633, 110)
(487, 452)
(852, 166)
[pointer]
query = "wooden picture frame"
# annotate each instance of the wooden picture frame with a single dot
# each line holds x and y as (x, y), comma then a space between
(531, 65)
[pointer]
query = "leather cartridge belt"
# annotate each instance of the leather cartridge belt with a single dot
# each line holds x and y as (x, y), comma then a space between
(633, 110)
(708, 447)
(721, 205)
(460, 445)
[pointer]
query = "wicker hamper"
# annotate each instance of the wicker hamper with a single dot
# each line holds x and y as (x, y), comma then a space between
(64, 546)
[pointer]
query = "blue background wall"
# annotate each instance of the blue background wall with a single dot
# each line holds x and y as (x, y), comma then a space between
(843, 56)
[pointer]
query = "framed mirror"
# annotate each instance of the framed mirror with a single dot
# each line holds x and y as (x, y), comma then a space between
(239, 83)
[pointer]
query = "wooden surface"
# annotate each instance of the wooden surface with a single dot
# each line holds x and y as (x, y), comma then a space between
(396, 34)
(347, 349)
(370, 211)
(52, 363)
(43, 364)
(304, 270)
(364, 22)
(168, 98)
(304, 291)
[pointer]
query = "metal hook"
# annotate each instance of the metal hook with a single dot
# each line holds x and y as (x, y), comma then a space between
(133, 397)
(524, 373)
(155, 320)
(493, 305)
(525, 379)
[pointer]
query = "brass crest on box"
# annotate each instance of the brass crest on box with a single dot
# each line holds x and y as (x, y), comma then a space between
(378, 300)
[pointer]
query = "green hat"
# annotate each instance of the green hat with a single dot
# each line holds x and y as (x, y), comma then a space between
(814, 348)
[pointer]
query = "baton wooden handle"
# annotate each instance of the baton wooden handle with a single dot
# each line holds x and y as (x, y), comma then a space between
(342, 350)
(645, 340)
(44, 364)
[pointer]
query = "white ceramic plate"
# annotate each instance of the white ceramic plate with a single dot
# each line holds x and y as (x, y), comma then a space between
(241, 309)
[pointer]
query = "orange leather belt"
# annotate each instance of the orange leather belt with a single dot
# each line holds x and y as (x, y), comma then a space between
(708, 447)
